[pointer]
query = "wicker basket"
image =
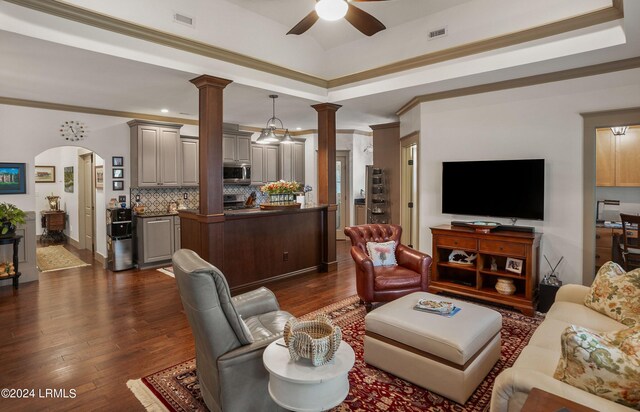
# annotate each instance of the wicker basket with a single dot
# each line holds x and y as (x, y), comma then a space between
(317, 340)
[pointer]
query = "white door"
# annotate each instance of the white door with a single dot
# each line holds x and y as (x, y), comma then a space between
(342, 193)
(86, 194)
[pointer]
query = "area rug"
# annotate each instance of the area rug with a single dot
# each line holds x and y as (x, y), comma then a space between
(52, 258)
(176, 388)
(167, 271)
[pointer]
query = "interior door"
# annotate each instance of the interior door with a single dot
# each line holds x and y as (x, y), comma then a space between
(342, 194)
(409, 191)
(87, 201)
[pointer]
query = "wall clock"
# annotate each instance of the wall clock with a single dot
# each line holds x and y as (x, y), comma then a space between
(73, 130)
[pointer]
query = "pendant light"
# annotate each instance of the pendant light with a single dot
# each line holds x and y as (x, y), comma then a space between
(268, 134)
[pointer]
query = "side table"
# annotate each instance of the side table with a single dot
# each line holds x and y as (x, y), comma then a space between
(53, 223)
(543, 401)
(300, 386)
(546, 296)
(15, 240)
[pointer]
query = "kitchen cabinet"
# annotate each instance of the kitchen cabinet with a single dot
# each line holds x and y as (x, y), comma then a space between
(292, 162)
(616, 158)
(155, 154)
(190, 161)
(264, 164)
(236, 147)
(155, 239)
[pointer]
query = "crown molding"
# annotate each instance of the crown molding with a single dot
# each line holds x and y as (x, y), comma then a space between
(586, 71)
(85, 16)
(382, 126)
(106, 22)
(93, 110)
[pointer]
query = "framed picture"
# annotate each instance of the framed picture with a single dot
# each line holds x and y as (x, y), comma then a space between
(68, 179)
(118, 185)
(117, 161)
(99, 177)
(514, 265)
(117, 173)
(45, 174)
(12, 179)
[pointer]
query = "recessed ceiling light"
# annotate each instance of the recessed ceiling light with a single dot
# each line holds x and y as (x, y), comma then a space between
(298, 128)
(164, 110)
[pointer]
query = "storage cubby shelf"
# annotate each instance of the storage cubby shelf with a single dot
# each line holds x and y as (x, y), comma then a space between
(478, 278)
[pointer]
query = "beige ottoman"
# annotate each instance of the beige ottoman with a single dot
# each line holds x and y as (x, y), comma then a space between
(449, 356)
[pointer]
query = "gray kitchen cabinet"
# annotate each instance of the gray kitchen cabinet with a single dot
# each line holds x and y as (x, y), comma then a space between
(292, 162)
(177, 242)
(264, 164)
(155, 154)
(155, 239)
(236, 147)
(190, 158)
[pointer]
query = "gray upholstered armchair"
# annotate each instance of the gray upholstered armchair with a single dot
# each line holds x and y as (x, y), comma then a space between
(230, 333)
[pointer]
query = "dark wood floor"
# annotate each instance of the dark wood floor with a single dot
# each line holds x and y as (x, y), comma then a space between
(92, 330)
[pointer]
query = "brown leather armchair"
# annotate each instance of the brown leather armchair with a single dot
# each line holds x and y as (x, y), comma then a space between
(386, 283)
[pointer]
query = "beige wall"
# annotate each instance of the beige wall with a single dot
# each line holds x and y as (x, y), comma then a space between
(386, 155)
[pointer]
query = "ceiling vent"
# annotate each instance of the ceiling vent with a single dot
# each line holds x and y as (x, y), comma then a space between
(437, 33)
(184, 19)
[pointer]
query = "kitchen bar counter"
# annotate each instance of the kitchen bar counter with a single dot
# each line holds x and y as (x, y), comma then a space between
(254, 246)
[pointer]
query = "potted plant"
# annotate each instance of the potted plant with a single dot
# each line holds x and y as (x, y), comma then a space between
(10, 217)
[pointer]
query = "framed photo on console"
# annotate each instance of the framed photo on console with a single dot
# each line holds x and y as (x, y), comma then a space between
(514, 265)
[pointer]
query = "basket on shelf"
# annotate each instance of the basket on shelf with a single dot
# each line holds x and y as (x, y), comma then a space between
(317, 340)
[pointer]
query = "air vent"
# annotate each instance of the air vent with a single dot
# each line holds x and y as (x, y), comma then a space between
(437, 33)
(184, 19)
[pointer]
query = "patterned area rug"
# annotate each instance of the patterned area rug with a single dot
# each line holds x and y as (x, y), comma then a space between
(52, 258)
(176, 388)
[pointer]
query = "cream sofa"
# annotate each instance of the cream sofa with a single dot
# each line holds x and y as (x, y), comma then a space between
(537, 362)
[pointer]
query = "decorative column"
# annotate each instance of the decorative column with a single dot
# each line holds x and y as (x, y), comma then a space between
(203, 232)
(327, 180)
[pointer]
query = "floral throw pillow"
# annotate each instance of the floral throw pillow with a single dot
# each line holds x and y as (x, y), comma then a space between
(604, 364)
(382, 254)
(616, 293)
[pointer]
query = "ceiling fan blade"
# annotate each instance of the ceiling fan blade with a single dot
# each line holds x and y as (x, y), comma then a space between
(363, 21)
(363, 1)
(305, 24)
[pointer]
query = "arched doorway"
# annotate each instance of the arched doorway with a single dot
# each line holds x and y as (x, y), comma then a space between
(67, 178)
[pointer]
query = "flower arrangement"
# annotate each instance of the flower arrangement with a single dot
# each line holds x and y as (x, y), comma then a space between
(280, 187)
(10, 217)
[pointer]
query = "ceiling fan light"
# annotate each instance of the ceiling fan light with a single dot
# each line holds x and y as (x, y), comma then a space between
(331, 9)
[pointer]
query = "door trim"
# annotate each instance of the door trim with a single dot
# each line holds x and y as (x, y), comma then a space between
(406, 142)
(346, 186)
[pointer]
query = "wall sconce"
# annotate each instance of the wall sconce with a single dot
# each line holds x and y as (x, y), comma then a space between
(619, 130)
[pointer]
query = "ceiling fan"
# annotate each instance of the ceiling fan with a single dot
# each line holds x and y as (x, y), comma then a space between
(337, 9)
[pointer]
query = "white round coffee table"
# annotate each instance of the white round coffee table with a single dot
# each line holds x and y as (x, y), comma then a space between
(300, 386)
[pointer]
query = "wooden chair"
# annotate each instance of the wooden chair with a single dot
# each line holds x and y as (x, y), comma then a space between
(630, 247)
(386, 283)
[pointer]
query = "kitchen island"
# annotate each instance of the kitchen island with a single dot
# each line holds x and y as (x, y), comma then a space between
(253, 247)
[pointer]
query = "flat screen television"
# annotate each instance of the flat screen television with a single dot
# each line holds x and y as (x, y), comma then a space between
(494, 188)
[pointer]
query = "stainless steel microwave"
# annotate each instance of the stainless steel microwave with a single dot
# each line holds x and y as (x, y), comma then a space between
(236, 174)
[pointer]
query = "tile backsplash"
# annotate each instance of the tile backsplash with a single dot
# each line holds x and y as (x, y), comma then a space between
(157, 199)
(246, 191)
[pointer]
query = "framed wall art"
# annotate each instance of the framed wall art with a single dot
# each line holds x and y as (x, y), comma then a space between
(118, 185)
(12, 179)
(117, 161)
(100, 177)
(45, 174)
(117, 173)
(68, 179)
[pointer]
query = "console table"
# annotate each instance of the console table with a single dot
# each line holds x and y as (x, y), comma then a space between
(477, 280)
(53, 223)
(15, 240)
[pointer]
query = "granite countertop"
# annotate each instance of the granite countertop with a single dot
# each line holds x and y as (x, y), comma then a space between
(155, 214)
(257, 211)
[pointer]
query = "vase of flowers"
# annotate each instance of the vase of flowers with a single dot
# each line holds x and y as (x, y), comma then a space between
(307, 195)
(281, 192)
